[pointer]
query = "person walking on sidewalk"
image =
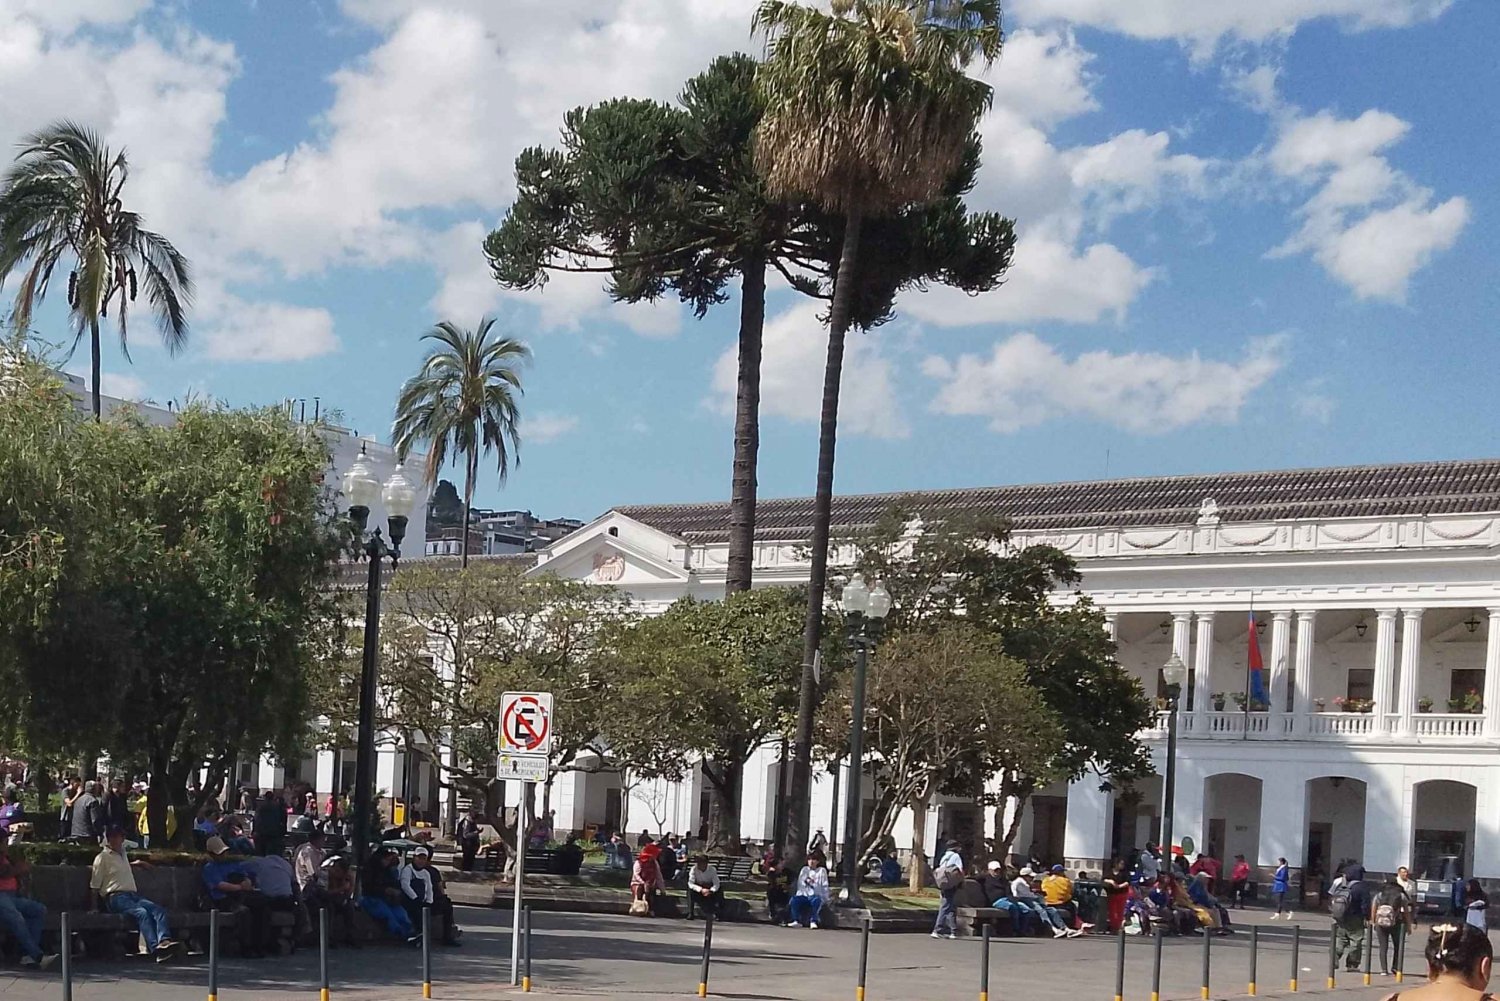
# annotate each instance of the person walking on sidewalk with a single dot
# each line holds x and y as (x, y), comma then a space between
(1349, 907)
(1280, 885)
(949, 876)
(1390, 914)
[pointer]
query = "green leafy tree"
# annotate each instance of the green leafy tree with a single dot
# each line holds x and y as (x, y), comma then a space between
(195, 569)
(965, 568)
(728, 671)
(464, 402)
(868, 112)
(666, 199)
(61, 199)
(453, 643)
(941, 701)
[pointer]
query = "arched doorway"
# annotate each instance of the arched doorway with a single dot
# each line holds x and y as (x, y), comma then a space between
(1442, 829)
(1335, 827)
(1231, 812)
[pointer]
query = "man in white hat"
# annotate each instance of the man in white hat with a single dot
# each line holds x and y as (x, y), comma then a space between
(421, 888)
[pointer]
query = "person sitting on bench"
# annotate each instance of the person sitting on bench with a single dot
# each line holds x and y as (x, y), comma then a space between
(22, 916)
(703, 889)
(419, 889)
(113, 879)
(231, 887)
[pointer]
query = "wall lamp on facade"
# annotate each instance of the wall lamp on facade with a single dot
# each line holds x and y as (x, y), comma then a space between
(1472, 622)
(1361, 627)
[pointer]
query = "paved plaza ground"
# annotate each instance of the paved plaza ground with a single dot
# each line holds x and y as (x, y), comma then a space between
(590, 956)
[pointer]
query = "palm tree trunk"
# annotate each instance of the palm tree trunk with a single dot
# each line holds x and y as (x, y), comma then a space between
(94, 370)
(746, 428)
(799, 790)
(471, 469)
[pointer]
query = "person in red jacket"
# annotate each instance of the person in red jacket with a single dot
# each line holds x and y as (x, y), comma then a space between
(1239, 882)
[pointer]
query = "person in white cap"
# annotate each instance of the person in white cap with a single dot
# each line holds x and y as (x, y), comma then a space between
(1022, 893)
(420, 889)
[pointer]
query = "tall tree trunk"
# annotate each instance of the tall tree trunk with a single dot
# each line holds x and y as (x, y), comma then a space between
(724, 806)
(917, 872)
(799, 800)
(94, 362)
(746, 428)
(471, 471)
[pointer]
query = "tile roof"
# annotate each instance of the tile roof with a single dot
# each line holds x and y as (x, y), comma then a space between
(1412, 488)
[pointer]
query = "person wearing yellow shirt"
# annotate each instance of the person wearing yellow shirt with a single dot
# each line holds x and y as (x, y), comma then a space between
(1057, 893)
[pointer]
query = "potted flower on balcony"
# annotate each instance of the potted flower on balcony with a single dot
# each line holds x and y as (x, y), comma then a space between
(1424, 704)
(1218, 701)
(1348, 705)
(1469, 703)
(1319, 705)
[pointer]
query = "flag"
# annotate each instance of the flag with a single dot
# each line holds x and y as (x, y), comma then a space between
(1257, 668)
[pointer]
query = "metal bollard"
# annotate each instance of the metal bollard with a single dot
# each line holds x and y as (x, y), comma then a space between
(1120, 967)
(984, 964)
(64, 930)
(864, 958)
(526, 954)
(1208, 941)
(708, 944)
(426, 952)
(1369, 948)
(1296, 960)
(213, 955)
(1156, 966)
(1333, 957)
(323, 953)
(1254, 949)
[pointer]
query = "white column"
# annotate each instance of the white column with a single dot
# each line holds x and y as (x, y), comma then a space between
(323, 785)
(1385, 668)
(1112, 626)
(1307, 621)
(1182, 639)
(1283, 819)
(1389, 799)
(1411, 664)
(1281, 646)
(1203, 670)
(1086, 840)
(1492, 675)
(1187, 811)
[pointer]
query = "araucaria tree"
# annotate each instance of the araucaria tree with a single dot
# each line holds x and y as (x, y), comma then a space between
(665, 199)
(464, 402)
(183, 579)
(61, 200)
(868, 111)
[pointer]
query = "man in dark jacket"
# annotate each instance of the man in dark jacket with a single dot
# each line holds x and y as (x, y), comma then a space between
(270, 825)
(117, 808)
(1349, 906)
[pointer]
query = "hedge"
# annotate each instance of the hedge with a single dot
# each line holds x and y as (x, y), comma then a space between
(59, 853)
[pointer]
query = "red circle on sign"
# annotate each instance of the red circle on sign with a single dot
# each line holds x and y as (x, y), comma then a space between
(526, 730)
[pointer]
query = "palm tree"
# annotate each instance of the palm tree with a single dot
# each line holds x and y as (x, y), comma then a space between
(462, 402)
(61, 199)
(868, 110)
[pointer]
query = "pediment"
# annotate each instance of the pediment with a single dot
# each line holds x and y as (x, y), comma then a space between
(606, 559)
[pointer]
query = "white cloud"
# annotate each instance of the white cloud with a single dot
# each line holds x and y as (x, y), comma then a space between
(1202, 24)
(544, 427)
(1368, 224)
(120, 385)
(1050, 280)
(1313, 402)
(237, 330)
(791, 377)
(1025, 381)
(67, 15)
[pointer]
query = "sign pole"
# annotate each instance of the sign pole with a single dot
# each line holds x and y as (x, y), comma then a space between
(515, 918)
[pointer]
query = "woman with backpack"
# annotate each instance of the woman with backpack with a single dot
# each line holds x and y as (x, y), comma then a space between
(1458, 966)
(1390, 915)
(949, 876)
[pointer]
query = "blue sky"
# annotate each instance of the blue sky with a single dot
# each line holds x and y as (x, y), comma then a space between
(1254, 234)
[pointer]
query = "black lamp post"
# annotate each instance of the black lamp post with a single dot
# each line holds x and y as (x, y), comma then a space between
(399, 497)
(865, 610)
(1174, 672)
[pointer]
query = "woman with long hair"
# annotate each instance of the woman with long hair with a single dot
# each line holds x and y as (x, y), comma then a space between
(1476, 905)
(1458, 966)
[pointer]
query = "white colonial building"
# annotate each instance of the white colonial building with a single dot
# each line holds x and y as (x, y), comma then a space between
(1375, 583)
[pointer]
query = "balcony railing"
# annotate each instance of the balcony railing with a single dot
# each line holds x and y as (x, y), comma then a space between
(1339, 726)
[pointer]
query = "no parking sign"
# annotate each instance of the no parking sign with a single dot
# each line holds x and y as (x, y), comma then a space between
(526, 723)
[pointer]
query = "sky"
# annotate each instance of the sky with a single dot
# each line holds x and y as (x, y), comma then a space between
(1252, 234)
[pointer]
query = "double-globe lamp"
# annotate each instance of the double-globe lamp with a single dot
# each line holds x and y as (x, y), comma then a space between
(865, 609)
(399, 497)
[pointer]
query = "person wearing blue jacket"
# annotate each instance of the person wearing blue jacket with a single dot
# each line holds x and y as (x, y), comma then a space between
(1280, 885)
(1198, 894)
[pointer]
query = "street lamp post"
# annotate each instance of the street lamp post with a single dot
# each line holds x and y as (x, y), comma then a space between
(865, 610)
(362, 490)
(1174, 672)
